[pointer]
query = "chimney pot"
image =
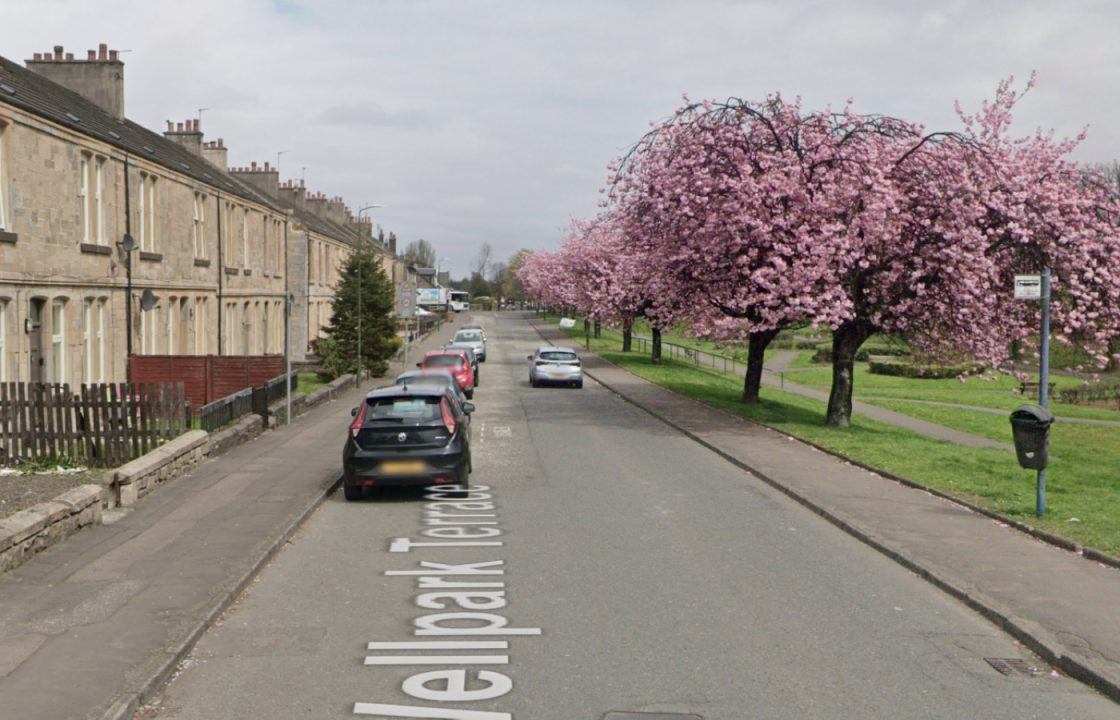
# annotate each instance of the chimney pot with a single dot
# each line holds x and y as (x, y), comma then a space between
(266, 166)
(253, 165)
(178, 127)
(102, 50)
(37, 56)
(91, 55)
(170, 126)
(57, 52)
(113, 55)
(221, 142)
(196, 124)
(69, 57)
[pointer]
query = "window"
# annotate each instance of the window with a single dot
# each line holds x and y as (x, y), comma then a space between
(266, 236)
(86, 200)
(265, 331)
(171, 326)
(3, 332)
(245, 238)
(99, 201)
(198, 229)
(147, 211)
(3, 185)
(99, 328)
(58, 341)
(227, 244)
(88, 339)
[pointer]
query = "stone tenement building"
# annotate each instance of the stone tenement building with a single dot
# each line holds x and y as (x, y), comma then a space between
(217, 250)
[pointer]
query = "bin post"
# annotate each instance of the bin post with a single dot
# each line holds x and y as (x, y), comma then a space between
(1043, 384)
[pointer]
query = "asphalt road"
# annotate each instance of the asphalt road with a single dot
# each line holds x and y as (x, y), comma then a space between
(638, 572)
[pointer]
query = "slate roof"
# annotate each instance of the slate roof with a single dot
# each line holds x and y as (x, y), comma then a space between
(24, 89)
(321, 225)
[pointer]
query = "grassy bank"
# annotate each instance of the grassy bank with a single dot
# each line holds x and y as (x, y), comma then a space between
(1084, 486)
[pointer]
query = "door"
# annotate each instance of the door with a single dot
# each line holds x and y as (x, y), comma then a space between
(35, 339)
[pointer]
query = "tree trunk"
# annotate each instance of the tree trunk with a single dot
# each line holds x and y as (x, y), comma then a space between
(587, 333)
(845, 342)
(597, 328)
(655, 354)
(756, 349)
(627, 334)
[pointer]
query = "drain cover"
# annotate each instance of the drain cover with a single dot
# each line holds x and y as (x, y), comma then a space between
(649, 716)
(1016, 666)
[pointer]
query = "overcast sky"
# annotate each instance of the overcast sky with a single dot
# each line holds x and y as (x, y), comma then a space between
(494, 121)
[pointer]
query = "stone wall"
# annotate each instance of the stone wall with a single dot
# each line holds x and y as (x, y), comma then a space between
(40, 526)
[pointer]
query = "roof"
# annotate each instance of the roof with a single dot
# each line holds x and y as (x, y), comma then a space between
(321, 225)
(411, 391)
(24, 89)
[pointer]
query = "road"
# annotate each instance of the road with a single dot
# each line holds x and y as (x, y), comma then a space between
(632, 570)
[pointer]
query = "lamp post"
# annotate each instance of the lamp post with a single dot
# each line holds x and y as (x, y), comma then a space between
(360, 211)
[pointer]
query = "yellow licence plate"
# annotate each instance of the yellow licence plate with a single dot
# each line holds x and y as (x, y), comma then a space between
(403, 467)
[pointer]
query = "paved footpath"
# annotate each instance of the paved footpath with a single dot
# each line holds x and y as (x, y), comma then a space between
(91, 623)
(1062, 605)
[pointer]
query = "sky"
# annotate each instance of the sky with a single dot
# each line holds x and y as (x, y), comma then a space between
(478, 121)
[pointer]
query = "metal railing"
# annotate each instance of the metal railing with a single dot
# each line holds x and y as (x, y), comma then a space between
(223, 411)
(701, 358)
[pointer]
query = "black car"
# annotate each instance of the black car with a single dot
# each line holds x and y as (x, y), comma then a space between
(407, 435)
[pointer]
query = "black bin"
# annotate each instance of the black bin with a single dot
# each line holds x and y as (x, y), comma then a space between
(1030, 426)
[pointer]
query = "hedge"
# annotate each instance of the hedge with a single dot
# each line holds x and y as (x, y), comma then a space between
(924, 372)
(824, 352)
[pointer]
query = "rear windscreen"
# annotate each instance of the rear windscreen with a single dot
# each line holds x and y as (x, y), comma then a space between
(426, 380)
(557, 355)
(443, 361)
(472, 336)
(405, 408)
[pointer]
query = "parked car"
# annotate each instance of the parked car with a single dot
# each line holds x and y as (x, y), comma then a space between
(419, 435)
(475, 326)
(555, 365)
(441, 377)
(454, 361)
(474, 339)
(471, 358)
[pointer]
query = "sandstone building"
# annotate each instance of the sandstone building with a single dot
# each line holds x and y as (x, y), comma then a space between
(219, 250)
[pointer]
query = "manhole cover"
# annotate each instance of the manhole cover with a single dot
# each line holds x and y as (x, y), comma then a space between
(649, 716)
(1016, 666)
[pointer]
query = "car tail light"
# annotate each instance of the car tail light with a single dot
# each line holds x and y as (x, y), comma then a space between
(359, 420)
(448, 418)
(538, 363)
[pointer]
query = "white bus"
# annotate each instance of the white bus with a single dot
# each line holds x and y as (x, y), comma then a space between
(459, 300)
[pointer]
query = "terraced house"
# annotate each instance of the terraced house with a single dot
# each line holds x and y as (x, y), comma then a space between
(217, 252)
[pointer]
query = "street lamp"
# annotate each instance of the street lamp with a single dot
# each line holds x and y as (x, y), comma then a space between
(359, 374)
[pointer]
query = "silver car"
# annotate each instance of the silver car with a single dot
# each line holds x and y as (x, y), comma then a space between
(474, 339)
(558, 365)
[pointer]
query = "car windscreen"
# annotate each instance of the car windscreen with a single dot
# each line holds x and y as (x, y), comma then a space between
(403, 409)
(443, 361)
(557, 355)
(471, 336)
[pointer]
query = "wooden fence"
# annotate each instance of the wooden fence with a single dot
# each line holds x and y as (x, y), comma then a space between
(103, 425)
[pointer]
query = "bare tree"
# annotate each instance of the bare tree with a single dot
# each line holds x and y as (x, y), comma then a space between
(482, 261)
(419, 253)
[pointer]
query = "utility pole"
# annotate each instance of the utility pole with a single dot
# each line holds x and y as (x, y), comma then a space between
(1043, 383)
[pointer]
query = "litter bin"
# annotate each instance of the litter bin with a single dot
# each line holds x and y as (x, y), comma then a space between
(1030, 426)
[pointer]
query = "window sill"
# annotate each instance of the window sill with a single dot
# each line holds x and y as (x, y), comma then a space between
(151, 256)
(8, 237)
(231, 271)
(201, 262)
(95, 249)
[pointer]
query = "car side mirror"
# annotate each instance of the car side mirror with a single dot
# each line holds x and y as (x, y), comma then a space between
(353, 412)
(528, 357)
(468, 408)
(418, 364)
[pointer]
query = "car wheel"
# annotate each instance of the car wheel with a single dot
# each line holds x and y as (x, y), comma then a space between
(352, 492)
(470, 394)
(463, 479)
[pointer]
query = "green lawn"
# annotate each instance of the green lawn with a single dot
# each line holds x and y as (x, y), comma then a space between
(1084, 482)
(308, 382)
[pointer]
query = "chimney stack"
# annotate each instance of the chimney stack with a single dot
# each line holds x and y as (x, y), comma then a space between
(186, 134)
(266, 179)
(99, 78)
(293, 194)
(216, 153)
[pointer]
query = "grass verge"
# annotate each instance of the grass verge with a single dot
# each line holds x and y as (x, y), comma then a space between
(1084, 502)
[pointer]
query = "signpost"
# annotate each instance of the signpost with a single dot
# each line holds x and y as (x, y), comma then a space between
(406, 310)
(1037, 287)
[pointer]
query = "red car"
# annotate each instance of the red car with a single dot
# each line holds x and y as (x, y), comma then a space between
(456, 362)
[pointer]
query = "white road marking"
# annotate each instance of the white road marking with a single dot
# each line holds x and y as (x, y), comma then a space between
(503, 431)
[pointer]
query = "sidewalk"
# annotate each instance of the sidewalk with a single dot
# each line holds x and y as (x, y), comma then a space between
(89, 625)
(1063, 606)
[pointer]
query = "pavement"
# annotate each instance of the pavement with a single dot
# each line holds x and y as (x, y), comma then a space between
(630, 569)
(1060, 604)
(94, 623)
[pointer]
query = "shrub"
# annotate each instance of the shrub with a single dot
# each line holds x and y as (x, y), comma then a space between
(925, 372)
(824, 351)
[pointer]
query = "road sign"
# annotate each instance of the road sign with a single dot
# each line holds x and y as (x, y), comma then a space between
(406, 300)
(1028, 287)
